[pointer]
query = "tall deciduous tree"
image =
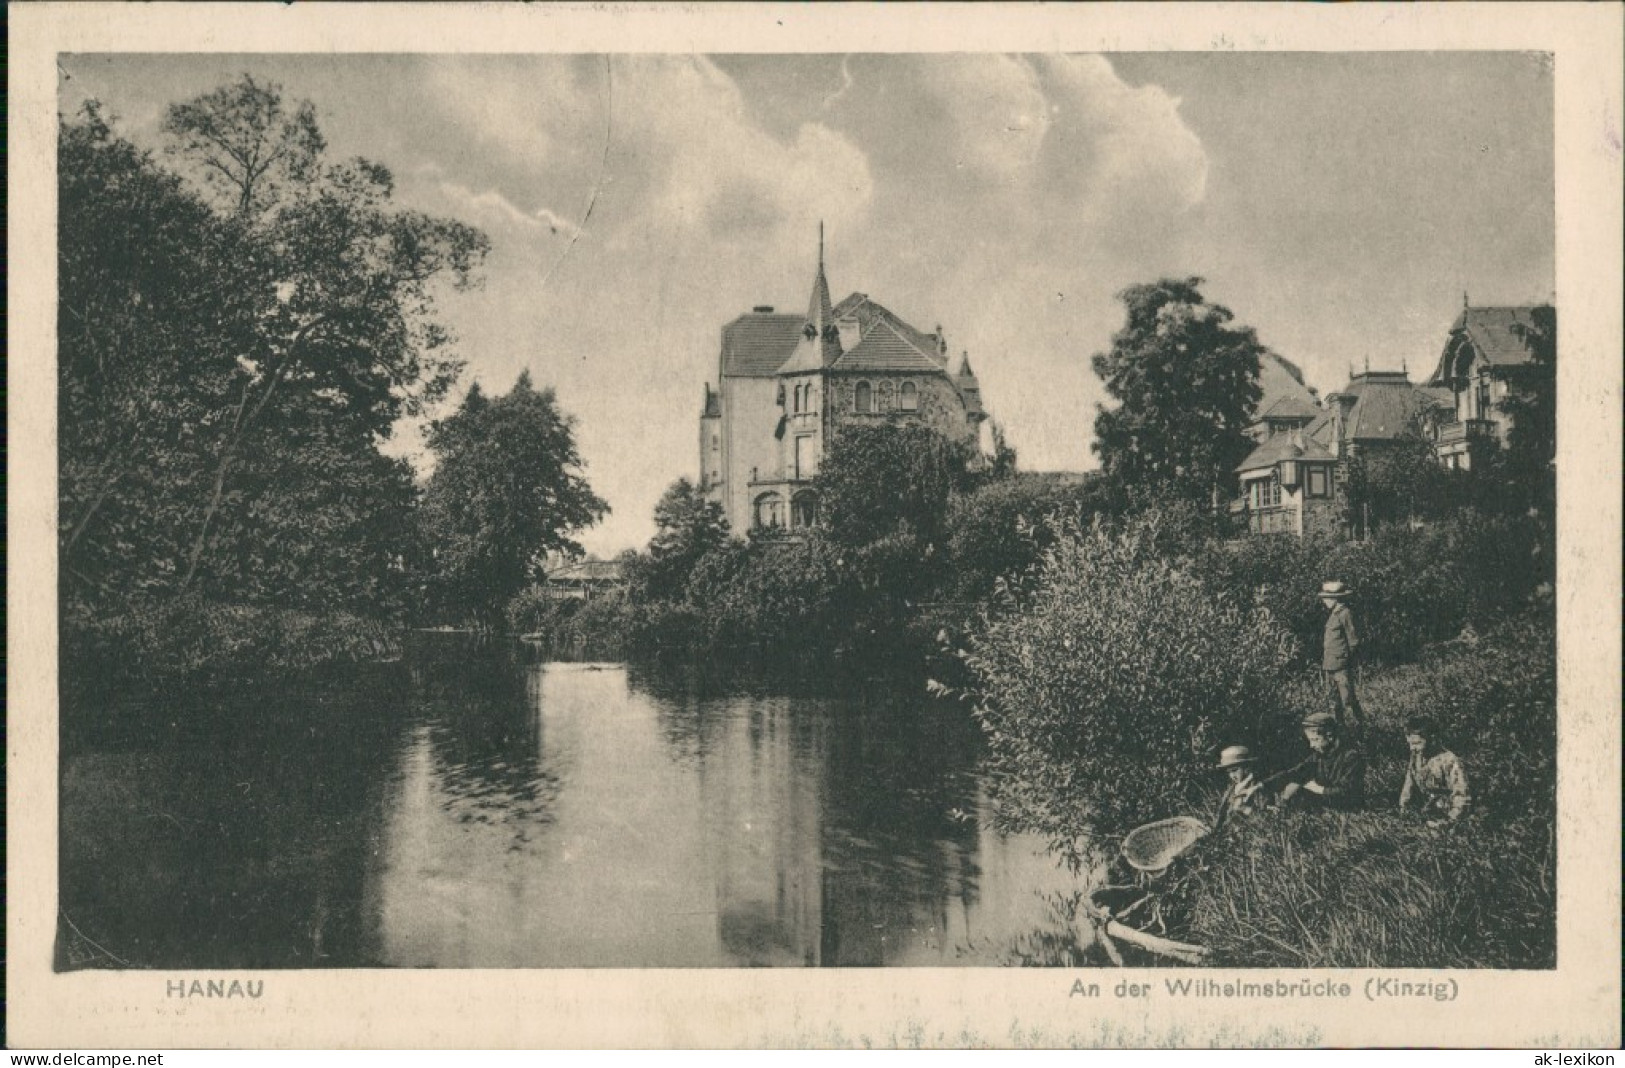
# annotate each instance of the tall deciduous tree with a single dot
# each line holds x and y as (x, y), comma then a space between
(506, 492)
(346, 305)
(1531, 402)
(1186, 382)
(234, 349)
(246, 144)
(687, 526)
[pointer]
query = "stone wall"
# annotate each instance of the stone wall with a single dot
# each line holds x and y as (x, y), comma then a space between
(1323, 517)
(940, 406)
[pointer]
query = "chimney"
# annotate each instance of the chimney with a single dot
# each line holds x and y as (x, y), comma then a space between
(763, 309)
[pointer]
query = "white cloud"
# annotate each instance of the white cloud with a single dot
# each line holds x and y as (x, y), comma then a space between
(996, 109)
(721, 171)
(1114, 142)
(489, 208)
(516, 105)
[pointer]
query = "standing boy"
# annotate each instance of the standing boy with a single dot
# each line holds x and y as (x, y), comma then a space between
(1340, 654)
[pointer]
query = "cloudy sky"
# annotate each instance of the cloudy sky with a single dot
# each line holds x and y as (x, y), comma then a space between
(1339, 203)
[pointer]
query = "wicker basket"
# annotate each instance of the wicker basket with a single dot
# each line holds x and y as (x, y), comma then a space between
(1153, 847)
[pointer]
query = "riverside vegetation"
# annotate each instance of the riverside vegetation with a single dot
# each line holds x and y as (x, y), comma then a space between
(242, 326)
(242, 323)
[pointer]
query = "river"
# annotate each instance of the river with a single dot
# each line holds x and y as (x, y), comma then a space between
(474, 814)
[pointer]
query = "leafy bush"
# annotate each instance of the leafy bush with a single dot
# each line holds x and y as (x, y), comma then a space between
(769, 595)
(1117, 675)
(1411, 587)
(999, 529)
(190, 640)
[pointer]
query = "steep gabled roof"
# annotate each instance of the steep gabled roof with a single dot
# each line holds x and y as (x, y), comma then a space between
(1279, 380)
(756, 345)
(1386, 405)
(1319, 430)
(1497, 334)
(884, 348)
(858, 306)
(1283, 447)
(1289, 407)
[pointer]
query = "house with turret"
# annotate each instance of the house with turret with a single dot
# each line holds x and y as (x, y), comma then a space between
(1293, 481)
(788, 383)
(1487, 353)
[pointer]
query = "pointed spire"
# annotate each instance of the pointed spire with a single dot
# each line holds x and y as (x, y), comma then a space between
(820, 312)
(1464, 300)
(964, 366)
(819, 333)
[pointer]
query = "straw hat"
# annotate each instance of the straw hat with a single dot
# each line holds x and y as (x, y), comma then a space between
(1334, 589)
(1235, 754)
(1319, 721)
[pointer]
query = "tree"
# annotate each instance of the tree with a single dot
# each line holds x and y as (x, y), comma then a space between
(1531, 403)
(999, 529)
(345, 304)
(245, 144)
(882, 480)
(150, 307)
(687, 526)
(1186, 381)
(1397, 482)
(507, 490)
(229, 367)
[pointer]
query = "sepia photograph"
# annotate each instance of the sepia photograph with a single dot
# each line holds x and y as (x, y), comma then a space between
(700, 508)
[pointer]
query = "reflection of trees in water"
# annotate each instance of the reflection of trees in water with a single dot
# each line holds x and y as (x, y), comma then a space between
(484, 732)
(895, 859)
(247, 848)
(885, 861)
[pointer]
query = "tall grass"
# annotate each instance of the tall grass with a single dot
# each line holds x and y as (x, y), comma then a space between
(1382, 889)
(1368, 890)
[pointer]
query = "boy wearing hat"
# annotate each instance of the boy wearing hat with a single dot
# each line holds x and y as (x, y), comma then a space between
(1334, 774)
(1241, 792)
(1435, 781)
(1340, 654)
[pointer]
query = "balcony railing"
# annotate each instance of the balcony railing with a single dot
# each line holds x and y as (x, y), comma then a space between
(1273, 519)
(1466, 430)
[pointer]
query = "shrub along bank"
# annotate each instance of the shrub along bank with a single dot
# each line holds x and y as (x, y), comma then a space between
(1113, 674)
(1380, 887)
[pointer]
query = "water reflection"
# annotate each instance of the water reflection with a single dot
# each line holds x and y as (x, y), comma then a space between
(559, 815)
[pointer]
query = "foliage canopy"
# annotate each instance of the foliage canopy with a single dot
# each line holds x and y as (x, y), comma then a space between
(1186, 383)
(506, 493)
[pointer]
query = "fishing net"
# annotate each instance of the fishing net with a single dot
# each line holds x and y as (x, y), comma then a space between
(1153, 847)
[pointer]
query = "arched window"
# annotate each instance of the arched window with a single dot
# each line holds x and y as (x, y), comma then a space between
(769, 511)
(863, 399)
(804, 509)
(908, 397)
